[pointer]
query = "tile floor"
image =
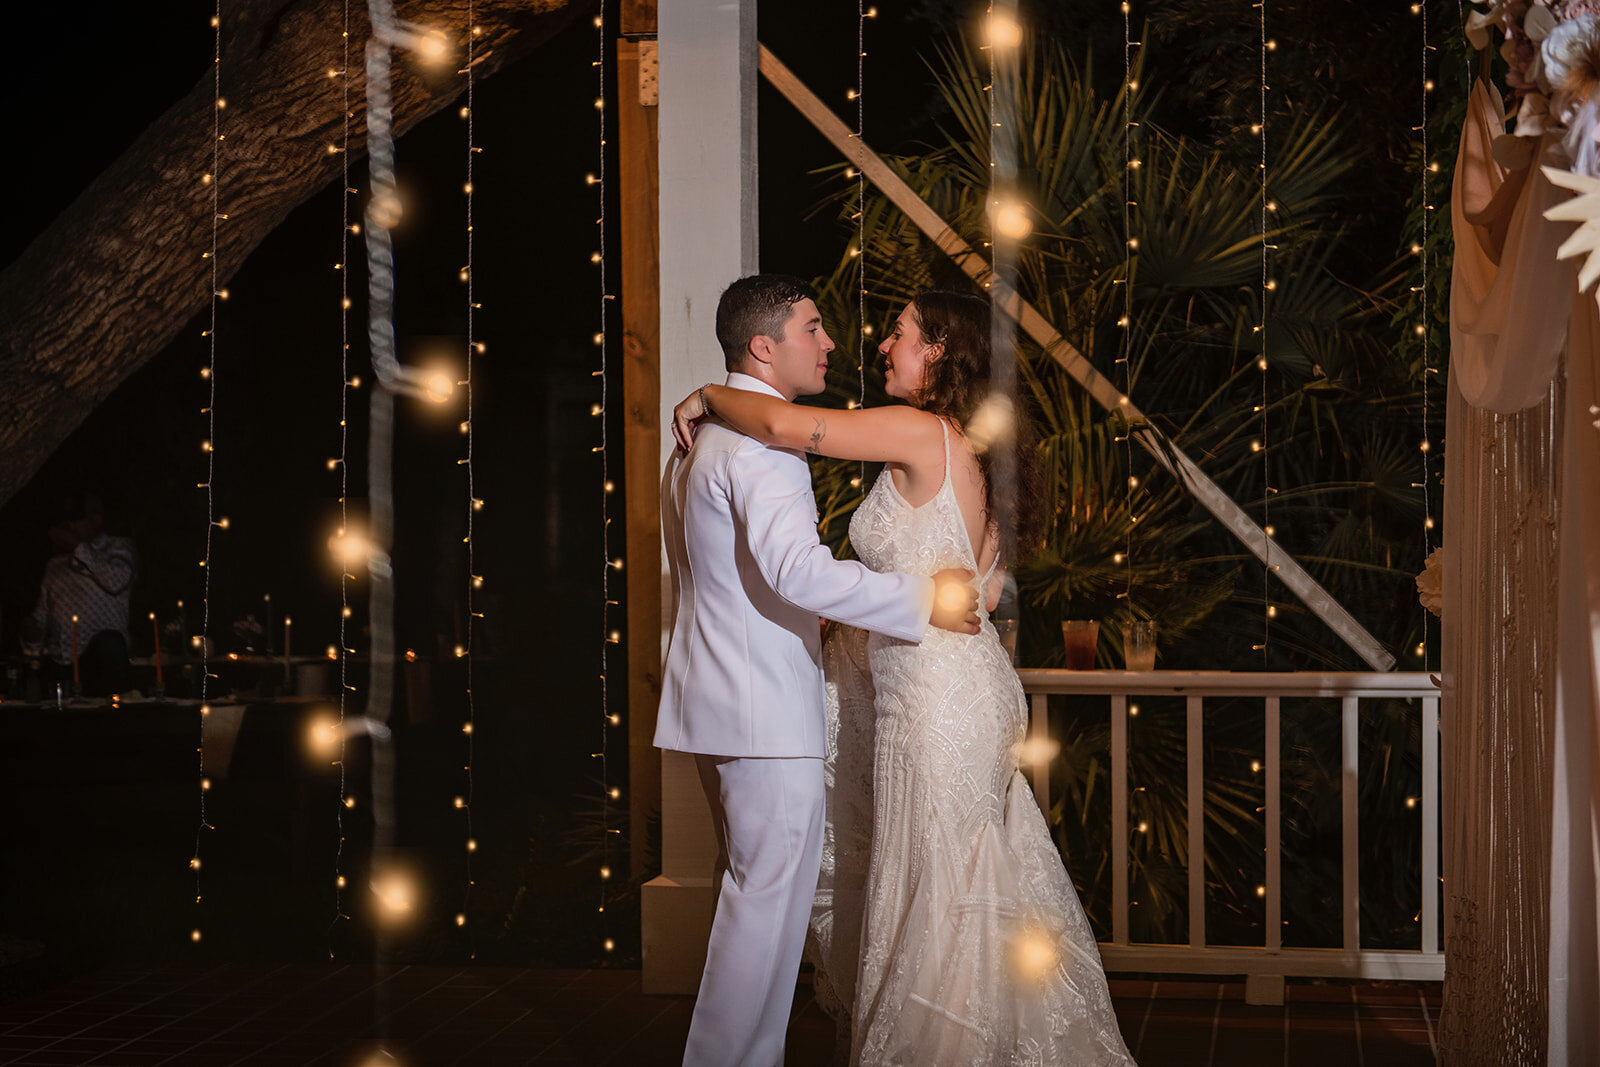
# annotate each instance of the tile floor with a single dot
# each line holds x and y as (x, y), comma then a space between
(437, 1016)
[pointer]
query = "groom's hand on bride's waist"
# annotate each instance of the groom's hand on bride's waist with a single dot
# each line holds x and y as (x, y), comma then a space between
(955, 601)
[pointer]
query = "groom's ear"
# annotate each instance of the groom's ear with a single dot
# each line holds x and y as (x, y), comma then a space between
(760, 348)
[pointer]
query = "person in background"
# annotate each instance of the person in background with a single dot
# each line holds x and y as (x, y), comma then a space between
(89, 575)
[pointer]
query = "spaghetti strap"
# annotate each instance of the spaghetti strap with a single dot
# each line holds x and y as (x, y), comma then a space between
(992, 564)
(944, 428)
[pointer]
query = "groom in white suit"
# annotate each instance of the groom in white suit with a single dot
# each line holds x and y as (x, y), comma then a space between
(742, 687)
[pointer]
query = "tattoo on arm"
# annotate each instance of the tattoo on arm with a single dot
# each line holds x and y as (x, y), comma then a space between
(817, 434)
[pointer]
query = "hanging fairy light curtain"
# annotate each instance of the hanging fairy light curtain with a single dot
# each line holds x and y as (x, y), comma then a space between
(212, 180)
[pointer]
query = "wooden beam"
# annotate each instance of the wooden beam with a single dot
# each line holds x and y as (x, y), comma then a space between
(1036, 326)
(641, 396)
(637, 19)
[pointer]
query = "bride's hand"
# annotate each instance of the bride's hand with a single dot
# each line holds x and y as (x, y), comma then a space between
(689, 413)
(955, 601)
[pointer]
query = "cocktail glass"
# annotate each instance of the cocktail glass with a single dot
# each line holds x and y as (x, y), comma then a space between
(1139, 645)
(1080, 636)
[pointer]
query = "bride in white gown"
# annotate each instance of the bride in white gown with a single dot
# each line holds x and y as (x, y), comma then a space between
(946, 931)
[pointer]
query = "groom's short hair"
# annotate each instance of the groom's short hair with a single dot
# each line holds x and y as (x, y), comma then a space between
(756, 306)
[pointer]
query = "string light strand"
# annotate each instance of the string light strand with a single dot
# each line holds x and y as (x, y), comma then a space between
(608, 636)
(473, 581)
(1267, 608)
(345, 229)
(208, 447)
(1425, 446)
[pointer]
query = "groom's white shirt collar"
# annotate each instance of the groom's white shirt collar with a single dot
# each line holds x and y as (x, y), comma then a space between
(751, 384)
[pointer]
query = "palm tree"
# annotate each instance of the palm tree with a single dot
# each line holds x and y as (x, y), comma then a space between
(1147, 254)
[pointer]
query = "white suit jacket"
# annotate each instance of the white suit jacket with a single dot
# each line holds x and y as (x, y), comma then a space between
(743, 675)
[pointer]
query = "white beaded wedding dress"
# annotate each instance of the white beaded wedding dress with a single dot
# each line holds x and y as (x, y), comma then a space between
(946, 932)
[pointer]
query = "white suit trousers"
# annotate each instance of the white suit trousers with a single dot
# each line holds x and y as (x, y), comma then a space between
(768, 814)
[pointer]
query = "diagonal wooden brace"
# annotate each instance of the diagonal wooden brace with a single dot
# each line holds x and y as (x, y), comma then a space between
(1036, 326)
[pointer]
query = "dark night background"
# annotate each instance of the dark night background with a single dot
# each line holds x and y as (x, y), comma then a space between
(103, 805)
(96, 867)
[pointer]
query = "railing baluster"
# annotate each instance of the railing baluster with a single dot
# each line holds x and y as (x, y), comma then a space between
(1040, 720)
(1271, 956)
(1196, 761)
(1350, 746)
(1274, 840)
(1430, 824)
(1119, 820)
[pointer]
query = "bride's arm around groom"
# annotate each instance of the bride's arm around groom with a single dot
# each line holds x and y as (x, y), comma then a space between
(742, 687)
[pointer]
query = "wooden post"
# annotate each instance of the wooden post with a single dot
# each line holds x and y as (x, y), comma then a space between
(641, 395)
(706, 174)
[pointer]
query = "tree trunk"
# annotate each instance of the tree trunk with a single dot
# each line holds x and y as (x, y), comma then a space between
(119, 273)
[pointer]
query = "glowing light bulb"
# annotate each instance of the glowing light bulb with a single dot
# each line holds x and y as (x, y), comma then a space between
(433, 49)
(1261, 890)
(395, 895)
(605, 873)
(614, 719)
(1255, 446)
(385, 211)
(460, 802)
(323, 734)
(1133, 710)
(1033, 957)
(1011, 220)
(472, 844)
(614, 793)
(461, 920)
(194, 935)
(440, 387)
(333, 652)
(609, 944)
(1037, 750)
(1004, 31)
(1144, 827)
(1255, 766)
(1411, 802)
(194, 864)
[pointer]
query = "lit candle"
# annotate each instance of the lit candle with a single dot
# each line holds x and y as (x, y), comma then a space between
(74, 652)
(155, 628)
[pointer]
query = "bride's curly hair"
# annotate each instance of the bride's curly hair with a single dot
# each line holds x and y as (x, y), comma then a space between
(956, 385)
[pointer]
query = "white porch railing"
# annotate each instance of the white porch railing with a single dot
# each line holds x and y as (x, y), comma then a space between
(1272, 958)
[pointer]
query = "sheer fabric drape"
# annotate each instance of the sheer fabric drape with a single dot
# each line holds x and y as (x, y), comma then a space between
(1521, 615)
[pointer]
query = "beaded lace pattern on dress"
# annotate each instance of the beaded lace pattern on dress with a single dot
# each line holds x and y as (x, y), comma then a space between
(945, 931)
